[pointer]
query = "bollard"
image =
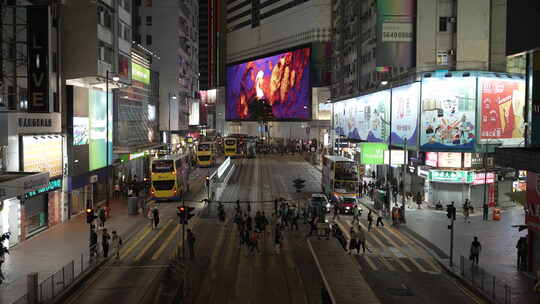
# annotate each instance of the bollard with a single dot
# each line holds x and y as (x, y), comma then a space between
(32, 288)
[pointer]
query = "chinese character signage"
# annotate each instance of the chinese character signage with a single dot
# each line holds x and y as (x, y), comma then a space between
(480, 178)
(449, 159)
(458, 177)
(503, 104)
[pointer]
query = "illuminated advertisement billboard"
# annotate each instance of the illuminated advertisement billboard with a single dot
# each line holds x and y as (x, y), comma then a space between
(449, 160)
(502, 102)
(276, 87)
(140, 73)
(432, 159)
(97, 111)
(372, 153)
(405, 107)
(42, 153)
(364, 118)
(194, 113)
(448, 115)
(80, 131)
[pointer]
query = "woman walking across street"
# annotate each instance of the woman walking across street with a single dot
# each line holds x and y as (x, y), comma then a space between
(116, 244)
(352, 241)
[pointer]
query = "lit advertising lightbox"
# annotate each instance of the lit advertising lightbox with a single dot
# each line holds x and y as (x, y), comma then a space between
(80, 131)
(448, 115)
(194, 114)
(140, 73)
(97, 109)
(432, 159)
(42, 153)
(405, 107)
(502, 102)
(449, 160)
(372, 153)
(276, 87)
(364, 118)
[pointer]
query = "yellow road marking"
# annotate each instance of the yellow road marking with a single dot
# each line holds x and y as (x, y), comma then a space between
(414, 247)
(135, 242)
(166, 243)
(420, 267)
(381, 257)
(153, 240)
(368, 259)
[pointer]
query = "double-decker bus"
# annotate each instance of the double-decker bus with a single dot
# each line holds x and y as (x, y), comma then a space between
(169, 177)
(340, 176)
(232, 147)
(206, 154)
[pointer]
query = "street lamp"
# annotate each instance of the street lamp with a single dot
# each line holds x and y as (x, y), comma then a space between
(173, 96)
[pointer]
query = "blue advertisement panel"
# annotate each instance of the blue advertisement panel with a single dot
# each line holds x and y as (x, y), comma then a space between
(405, 108)
(448, 114)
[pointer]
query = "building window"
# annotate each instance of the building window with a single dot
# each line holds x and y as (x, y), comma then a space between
(148, 20)
(442, 58)
(148, 39)
(443, 24)
(104, 17)
(106, 52)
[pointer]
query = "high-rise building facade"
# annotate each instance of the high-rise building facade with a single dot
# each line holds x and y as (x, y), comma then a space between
(385, 40)
(170, 28)
(264, 27)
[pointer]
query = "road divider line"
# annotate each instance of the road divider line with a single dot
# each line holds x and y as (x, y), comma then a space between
(166, 243)
(135, 242)
(389, 239)
(153, 240)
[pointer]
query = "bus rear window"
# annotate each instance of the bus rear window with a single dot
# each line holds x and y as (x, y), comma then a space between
(162, 166)
(230, 142)
(163, 185)
(204, 147)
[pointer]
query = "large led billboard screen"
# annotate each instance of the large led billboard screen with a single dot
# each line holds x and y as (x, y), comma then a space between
(276, 87)
(405, 107)
(502, 102)
(448, 115)
(97, 109)
(42, 153)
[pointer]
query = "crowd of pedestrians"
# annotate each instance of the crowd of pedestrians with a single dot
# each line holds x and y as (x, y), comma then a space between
(108, 240)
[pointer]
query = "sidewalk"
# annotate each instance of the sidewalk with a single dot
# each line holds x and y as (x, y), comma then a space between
(498, 239)
(50, 250)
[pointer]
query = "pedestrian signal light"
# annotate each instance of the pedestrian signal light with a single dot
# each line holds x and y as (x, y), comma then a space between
(90, 215)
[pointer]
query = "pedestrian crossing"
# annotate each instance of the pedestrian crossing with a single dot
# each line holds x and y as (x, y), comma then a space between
(388, 249)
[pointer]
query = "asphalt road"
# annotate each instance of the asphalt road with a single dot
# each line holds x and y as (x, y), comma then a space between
(397, 267)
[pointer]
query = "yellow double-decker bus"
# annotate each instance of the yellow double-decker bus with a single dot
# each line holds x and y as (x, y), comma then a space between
(169, 177)
(231, 147)
(339, 176)
(206, 154)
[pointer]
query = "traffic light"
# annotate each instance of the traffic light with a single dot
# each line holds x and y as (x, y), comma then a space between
(181, 212)
(189, 213)
(207, 181)
(90, 215)
(298, 184)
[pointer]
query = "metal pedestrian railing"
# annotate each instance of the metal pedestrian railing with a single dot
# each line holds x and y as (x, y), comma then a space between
(496, 290)
(58, 282)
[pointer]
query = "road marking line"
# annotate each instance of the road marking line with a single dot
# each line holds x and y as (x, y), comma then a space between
(382, 258)
(153, 240)
(429, 259)
(166, 243)
(370, 263)
(420, 267)
(217, 248)
(135, 242)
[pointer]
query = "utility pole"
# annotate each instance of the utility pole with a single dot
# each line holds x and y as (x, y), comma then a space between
(403, 179)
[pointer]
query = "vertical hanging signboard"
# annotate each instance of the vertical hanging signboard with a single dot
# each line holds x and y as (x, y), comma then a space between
(38, 61)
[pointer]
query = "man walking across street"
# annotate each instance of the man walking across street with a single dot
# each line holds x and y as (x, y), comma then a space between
(155, 217)
(105, 237)
(361, 240)
(370, 220)
(191, 243)
(336, 212)
(522, 253)
(355, 212)
(116, 243)
(475, 250)
(379, 220)
(485, 209)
